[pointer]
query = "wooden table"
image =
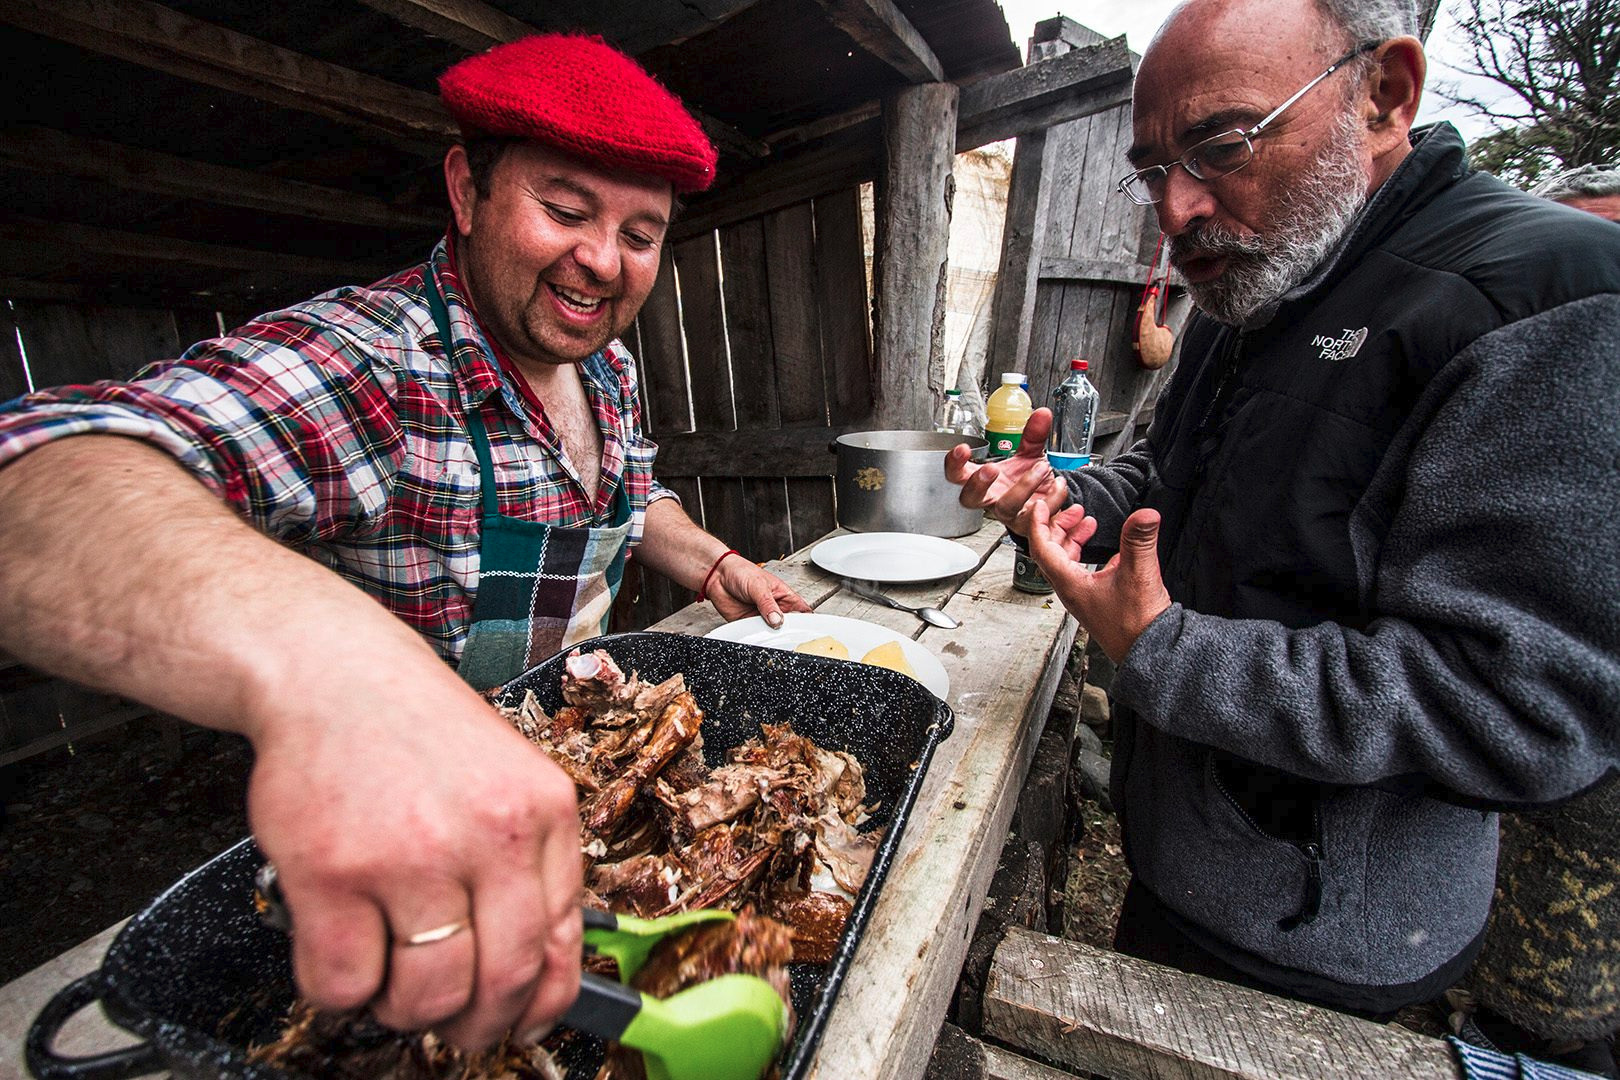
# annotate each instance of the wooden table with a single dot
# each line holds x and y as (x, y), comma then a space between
(1003, 661)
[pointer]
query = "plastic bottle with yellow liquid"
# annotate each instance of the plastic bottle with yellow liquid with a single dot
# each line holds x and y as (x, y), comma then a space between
(1005, 414)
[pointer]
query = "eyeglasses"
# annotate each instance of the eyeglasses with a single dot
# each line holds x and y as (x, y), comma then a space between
(1225, 153)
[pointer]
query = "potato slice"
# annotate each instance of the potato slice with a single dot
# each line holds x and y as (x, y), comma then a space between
(889, 655)
(824, 646)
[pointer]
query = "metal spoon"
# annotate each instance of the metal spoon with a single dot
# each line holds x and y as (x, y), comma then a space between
(930, 615)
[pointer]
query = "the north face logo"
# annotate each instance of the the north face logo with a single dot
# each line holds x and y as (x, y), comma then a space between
(1342, 347)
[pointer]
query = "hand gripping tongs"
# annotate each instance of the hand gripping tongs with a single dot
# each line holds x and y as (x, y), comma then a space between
(727, 1028)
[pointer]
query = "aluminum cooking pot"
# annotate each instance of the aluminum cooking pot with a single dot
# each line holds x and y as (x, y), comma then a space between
(894, 481)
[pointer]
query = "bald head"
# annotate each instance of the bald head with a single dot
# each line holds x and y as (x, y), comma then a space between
(1271, 122)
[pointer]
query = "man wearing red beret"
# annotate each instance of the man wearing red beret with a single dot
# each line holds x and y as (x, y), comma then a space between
(286, 533)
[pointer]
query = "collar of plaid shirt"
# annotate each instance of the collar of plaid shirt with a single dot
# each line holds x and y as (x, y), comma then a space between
(599, 372)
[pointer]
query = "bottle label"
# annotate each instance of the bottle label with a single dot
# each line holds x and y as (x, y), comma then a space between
(1004, 443)
(1068, 462)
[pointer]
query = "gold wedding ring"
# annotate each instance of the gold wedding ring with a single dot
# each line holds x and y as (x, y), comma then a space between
(438, 933)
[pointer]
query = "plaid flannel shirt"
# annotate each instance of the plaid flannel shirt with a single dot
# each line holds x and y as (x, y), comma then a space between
(338, 427)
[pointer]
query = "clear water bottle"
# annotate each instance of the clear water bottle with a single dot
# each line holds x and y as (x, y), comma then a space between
(1074, 420)
(955, 417)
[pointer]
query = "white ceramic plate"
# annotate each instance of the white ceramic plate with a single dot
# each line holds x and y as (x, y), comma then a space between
(893, 556)
(858, 636)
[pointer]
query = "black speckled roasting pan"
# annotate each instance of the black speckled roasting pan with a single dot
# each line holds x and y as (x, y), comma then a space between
(200, 980)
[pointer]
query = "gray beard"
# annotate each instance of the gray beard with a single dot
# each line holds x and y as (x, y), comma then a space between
(1312, 216)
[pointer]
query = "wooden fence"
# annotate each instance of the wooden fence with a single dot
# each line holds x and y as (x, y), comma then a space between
(761, 326)
(1075, 257)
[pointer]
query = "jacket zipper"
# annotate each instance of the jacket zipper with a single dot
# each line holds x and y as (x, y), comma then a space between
(1311, 849)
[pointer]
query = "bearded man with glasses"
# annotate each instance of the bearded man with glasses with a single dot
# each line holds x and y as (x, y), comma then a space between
(1361, 579)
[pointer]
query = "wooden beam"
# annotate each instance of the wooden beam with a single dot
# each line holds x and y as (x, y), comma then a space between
(881, 29)
(914, 193)
(1001, 106)
(165, 40)
(774, 452)
(467, 24)
(25, 146)
(1096, 1011)
(1044, 94)
(29, 241)
(476, 26)
(1023, 234)
(1094, 271)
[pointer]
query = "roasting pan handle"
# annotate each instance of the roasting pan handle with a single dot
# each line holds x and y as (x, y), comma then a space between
(116, 1065)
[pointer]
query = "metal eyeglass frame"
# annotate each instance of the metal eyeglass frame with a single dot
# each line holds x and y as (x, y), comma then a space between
(1199, 170)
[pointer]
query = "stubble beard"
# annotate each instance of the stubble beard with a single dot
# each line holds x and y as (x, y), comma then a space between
(1313, 214)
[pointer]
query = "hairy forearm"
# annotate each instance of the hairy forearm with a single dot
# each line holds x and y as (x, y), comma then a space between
(675, 546)
(119, 570)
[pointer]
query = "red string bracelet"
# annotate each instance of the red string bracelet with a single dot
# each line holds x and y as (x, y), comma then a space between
(703, 593)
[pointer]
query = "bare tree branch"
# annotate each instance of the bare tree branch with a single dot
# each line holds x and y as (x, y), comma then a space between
(1560, 61)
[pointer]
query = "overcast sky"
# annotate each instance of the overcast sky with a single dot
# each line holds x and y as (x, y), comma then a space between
(1138, 19)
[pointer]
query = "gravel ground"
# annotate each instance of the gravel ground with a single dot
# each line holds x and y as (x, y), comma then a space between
(93, 832)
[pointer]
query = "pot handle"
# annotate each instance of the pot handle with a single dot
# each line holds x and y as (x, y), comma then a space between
(832, 446)
(43, 1062)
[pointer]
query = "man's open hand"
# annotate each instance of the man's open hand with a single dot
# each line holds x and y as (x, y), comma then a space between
(1003, 487)
(1114, 604)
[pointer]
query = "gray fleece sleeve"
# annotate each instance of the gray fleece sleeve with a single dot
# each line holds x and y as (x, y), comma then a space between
(1487, 548)
(1109, 493)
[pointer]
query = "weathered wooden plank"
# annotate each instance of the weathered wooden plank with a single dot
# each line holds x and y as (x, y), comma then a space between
(165, 40)
(1043, 330)
(846, 338)
(29, 241)
(73, 343)
(697, 268)
(1119, 237)
(13, 379)
(1066, 152)
(810, 509)
(1012, 307)
(725, 514)
(748, 327)
(1098, 201)
(1094, 1010)
(663, 360)
(759, 452)
(790, 266)
(1046, 93)
(881, 29)
(935, 889)
(1037, 98)
(1093, 271)
(26, 146)
(959, 1056)
(909, 254)
(765, 503)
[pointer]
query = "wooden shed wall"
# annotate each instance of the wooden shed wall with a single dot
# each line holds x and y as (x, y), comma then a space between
(763, 325)
(1091, 253)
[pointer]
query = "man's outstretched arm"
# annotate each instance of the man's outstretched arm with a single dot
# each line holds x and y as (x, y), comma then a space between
(391, 797)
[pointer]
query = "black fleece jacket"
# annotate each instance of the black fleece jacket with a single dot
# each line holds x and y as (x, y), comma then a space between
(1391, 541)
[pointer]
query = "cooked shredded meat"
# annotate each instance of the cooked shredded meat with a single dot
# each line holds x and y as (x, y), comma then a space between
(773, 833)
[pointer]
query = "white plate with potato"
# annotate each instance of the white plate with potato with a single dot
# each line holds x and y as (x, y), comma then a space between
(843, 639)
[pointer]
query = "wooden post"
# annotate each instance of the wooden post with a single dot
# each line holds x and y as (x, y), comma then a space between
(1012, 308)
(914, 192)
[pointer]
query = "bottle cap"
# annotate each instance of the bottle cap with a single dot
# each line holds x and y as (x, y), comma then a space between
(1012, 378)
(1077, 365)
(953, 393)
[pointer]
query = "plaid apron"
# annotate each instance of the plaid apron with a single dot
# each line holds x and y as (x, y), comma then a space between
(541, 587)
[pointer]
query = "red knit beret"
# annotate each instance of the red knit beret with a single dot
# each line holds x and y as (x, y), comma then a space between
(584, 97)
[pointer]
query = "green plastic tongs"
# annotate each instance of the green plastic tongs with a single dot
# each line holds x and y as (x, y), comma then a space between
(727, 1028)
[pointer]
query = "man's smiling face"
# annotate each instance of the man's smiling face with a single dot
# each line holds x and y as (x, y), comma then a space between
(558, 256)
